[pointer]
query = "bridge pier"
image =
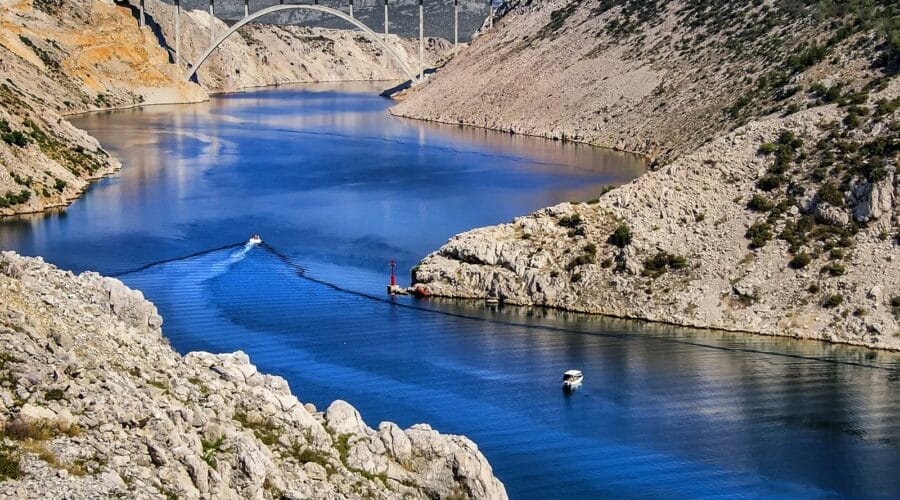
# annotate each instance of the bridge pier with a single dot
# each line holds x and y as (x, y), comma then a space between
(142, 19)
(385, 17)
(246, 8)
(455, 23)
(177, 32)
(351, 8)
(212, 21)
(421, 40)
(490, 14)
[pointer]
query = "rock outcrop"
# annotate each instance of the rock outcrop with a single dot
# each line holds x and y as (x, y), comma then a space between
(772, 203)
(687, 259)
(94, 403)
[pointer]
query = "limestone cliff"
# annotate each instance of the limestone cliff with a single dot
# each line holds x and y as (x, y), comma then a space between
(94, 403)
(774, 206)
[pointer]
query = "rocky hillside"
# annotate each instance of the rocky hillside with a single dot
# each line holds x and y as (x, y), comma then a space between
(656, 77)
(774, 205)
(94, 403)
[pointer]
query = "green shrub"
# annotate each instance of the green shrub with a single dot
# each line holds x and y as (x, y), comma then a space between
(833, 300)
(581, 260)
(833, 269)
(767, 148)
(210, 449)
(800, 260)
(54, 395)
(573, 220)
(621, 236)
(759, 203)
(656, 266)
(59, 184)
(830, 193)
(759, 234)
(769, 182)
(10, 464)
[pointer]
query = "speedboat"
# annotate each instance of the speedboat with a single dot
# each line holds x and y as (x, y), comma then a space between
(255, 240)
(572, 379)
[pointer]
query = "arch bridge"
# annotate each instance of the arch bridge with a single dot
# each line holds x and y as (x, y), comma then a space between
(248, 17)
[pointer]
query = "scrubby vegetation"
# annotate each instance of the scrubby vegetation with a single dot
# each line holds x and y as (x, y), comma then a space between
(658, 264)
(11, 199)
(621, 236)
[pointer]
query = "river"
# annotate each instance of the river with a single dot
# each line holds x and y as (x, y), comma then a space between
(339, 187)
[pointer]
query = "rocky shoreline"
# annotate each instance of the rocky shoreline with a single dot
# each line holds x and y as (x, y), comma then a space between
(686, 260)
(95, 403)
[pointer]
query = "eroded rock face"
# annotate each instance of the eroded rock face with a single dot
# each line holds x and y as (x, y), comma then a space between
(83, 358)
(694, 208)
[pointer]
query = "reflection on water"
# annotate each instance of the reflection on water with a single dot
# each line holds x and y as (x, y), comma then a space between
(332, 181)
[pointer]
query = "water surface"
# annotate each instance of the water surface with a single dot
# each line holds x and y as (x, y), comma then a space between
(340, 187)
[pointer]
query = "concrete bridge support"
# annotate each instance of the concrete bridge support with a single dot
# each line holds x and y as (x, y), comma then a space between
(212, 21)
(385, 17)
(178, 33)
(143, 20)
(455, 23)
(421, 39)
(351, 8)
(490, 13)
(246, 8)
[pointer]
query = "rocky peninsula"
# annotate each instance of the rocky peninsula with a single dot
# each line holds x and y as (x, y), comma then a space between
(773, 201)
(95, 403)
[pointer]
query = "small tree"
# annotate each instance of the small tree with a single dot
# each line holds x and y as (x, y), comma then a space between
(621, 237)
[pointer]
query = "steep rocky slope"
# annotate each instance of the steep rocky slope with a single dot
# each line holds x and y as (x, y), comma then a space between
(94, 403)
(774, 204)
(648, 76)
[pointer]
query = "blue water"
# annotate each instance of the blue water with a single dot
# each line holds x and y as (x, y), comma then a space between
(340, 187)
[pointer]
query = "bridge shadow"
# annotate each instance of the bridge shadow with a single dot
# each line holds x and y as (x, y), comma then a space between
(396, 89)
(152, 24)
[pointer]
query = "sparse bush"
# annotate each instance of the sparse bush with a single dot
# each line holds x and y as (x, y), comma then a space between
(830, 193)
(833, 300)
(833, 269)
(54, 395)
(621, 236)
(571, 221)
(656, 266)
(800, 260)
(759, 234)
(759, 203)
(770, 182)
(10, 464)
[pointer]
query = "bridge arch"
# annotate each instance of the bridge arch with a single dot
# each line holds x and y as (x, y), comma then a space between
(276, 8)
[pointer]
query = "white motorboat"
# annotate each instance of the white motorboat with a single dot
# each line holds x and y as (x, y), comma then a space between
(572, 379)
(255, 240)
